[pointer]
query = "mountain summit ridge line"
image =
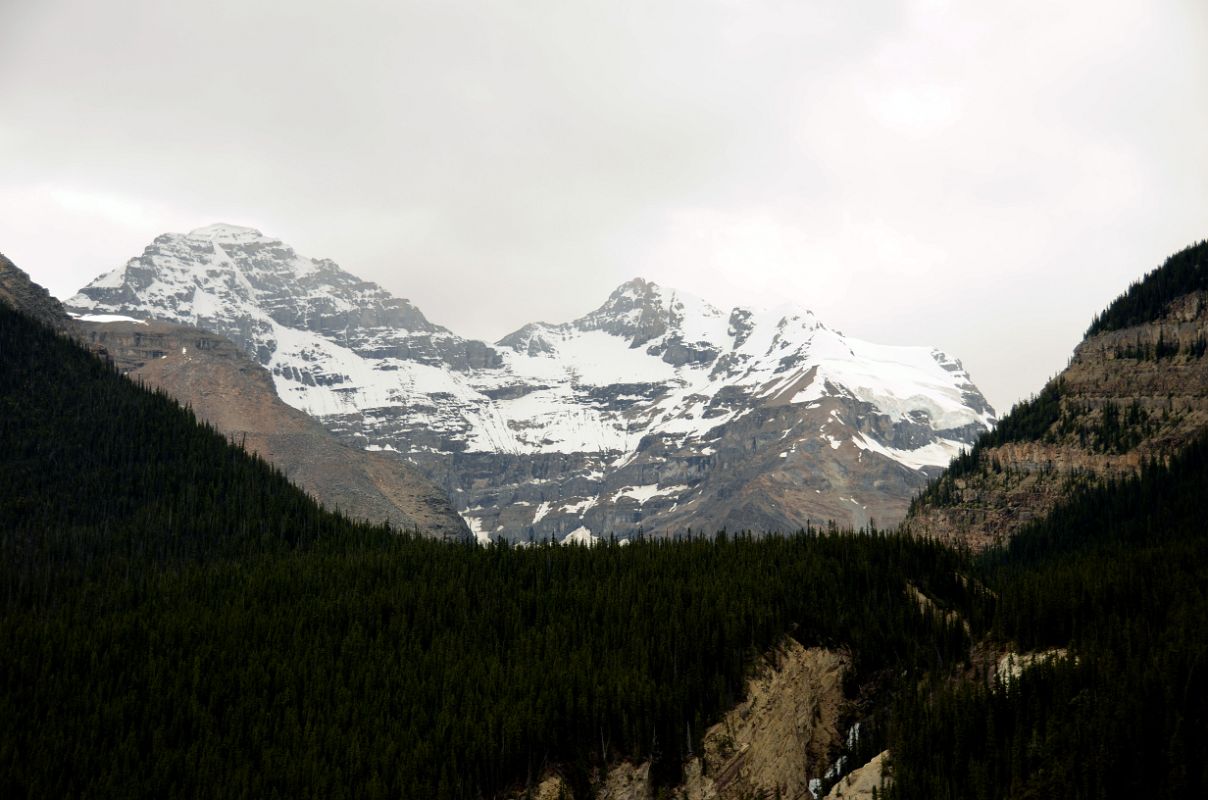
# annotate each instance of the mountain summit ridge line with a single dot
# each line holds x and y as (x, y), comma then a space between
(655, 412)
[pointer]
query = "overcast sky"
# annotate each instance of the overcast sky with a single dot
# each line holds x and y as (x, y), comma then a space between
(981, 176)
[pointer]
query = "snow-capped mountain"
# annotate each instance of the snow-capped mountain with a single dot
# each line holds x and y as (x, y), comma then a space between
(656, 412)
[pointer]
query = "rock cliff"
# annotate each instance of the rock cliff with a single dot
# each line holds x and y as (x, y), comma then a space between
(1129, 395)
(861, 782)
(778, 739)
(19, 292)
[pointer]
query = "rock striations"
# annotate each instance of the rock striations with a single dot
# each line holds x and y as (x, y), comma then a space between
(17, 291)
(1134, 391)
(656, 412)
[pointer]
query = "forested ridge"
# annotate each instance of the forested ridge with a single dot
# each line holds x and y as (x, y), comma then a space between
(1027, 421)
(1146, 300)
(1118, 575)
(179, 621)
(1041, 418)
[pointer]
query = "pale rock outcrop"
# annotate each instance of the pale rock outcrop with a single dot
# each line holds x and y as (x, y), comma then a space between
(1011, 666)
(772, 744)
(551, 787)
(926, 604)
(779, 738)
(860, 783)
(627, 781)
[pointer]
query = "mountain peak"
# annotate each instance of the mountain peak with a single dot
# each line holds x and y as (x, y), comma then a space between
(642, 292)
(638, 310)
(618, 418)
(256, 289)
(634, 292)
(637, 285)
(222, 232)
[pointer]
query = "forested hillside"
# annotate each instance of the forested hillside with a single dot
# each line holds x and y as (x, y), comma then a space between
(1118, 575)
(1146, 300)
(179, 620)
(1136, 389)
(1089, 496)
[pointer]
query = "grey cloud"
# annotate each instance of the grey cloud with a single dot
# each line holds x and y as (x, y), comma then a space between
(978, 176)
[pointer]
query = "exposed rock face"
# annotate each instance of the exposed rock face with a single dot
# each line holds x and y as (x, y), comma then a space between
(1011, 665)
(626, 781)
(22, 294)
(655, 412)
(552, 787)
(771, 745)
(780, 737)
(1120, 405)
(211, 375)
(860, 783)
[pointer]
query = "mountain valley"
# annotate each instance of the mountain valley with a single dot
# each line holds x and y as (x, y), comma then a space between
(166, 593)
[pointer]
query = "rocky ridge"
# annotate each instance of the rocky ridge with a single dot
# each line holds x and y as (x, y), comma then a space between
(656, 412)
(1129, 395)
(19, 292)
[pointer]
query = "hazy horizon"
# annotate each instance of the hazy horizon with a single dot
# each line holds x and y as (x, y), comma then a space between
(978, 178)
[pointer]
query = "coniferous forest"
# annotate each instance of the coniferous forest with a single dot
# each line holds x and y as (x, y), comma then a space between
(1184, 272)
(178, 620)
(1118, 577)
